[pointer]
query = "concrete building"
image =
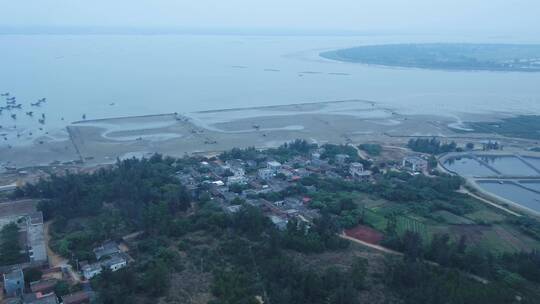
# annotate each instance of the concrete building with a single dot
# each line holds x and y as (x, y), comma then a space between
(265, 174)
(237, 179)
(35, 236)
(233, 208)
(281, 223)
(91, 270)
(341, 158)
(115, 262)
(80, 297)
(43, 286)
(356, 170)
(30, 225)
(415, 163)
(109, 256)
(39, 298)
(274, 166)
(14, 283)
(106, 249)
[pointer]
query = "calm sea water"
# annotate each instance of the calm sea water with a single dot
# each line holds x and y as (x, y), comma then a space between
(110, 76)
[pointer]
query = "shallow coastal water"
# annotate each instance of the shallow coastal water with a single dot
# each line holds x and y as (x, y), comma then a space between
(111, 76)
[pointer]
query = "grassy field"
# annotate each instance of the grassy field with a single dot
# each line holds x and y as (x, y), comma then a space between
(484, 228)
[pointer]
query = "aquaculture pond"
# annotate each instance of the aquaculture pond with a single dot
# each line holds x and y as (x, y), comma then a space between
(509, 165)
(534, 185)
(468, 166)
(513, 192)
(535, 161)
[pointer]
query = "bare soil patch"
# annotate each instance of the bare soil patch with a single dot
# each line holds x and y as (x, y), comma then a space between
(365, 233)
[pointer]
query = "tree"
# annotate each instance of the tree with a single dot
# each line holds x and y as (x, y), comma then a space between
(371, 149)
(358, 272)
(61, 288)
(156, 278)
(412, 243)
(32, 274)
(10, 249)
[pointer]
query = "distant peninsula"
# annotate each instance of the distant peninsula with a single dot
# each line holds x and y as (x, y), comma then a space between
(445, 56)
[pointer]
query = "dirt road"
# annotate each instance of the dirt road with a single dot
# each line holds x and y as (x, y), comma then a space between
(56, 260)
(465, 191)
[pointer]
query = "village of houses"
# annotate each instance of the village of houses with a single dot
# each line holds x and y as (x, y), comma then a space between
(220, 180)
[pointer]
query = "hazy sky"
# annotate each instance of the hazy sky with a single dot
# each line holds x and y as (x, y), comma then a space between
(504, 16)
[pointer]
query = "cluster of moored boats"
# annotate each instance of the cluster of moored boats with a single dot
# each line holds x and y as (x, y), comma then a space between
(12, 106)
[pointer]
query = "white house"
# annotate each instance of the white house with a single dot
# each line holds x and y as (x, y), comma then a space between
(273, 165)
(266, 174)
(415, 163)
(356, 170)
(237, 179)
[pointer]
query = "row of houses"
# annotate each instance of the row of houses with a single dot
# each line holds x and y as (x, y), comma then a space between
(108, 255)
(41, 291)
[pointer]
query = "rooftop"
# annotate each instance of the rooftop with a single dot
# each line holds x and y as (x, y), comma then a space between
(106, 249)
(14, 275)
(77, 297)
(43, 285)
(39, 298)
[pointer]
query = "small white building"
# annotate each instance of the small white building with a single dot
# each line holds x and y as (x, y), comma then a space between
(341, 158)
(415, 163)
(266, 174)
(273, 165)
(91, 270)
(114, 262)
(233, 208)
(237, 179)
(356, 169)
(281, 223)
(218, 183)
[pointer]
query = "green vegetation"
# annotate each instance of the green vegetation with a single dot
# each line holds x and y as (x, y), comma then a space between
(490, 57)
(431, 146)
(371, 149)
(10, 249)
(191, 250)
(525, 126)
